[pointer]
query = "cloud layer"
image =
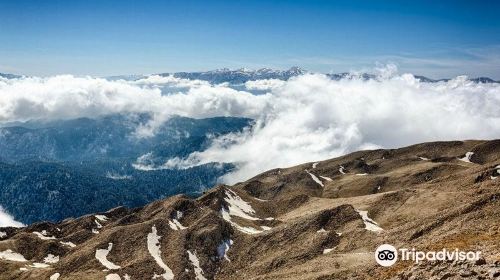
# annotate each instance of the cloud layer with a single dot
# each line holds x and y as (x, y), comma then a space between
(7, 220)
(307, 118)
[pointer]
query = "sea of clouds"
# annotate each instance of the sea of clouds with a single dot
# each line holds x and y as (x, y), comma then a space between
(307, 118)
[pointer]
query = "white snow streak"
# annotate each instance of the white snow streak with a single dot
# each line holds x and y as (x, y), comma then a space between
(154, 249)
(369, 223)
(326, 178)
(101, 256)
(315, 179)
(249, 230)
(39, 265)
(69, 244)
(196, 263)
(43, 235)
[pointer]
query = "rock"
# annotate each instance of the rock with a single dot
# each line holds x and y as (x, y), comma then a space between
(494, 273)
(467, 273)
(480, 261)
(446, 275)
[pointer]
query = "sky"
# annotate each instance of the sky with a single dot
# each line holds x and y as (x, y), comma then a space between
(101, 38)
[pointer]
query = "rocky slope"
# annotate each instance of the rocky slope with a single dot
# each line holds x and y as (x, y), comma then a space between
(319, 220)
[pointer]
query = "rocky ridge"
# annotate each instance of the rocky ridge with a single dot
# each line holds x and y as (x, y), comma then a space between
(320, 220)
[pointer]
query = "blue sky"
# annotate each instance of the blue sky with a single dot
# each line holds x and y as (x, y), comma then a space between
(433, 38)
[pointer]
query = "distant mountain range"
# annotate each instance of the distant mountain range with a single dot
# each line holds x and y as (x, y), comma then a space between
(240, 76)
(9, 76)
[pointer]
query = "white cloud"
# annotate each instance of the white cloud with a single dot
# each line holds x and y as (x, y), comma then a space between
(7, 220)
(312, 118)
(308, 118)
(264, 84)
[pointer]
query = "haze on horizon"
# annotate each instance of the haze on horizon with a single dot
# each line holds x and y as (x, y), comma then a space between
(102, 38)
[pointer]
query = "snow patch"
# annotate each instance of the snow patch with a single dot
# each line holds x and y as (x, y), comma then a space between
(342, 170)
(39, 265)
(467, 157)
(370, 224)
(3, 234)
(98, 224)
(321, 230)
(327, 250)
(196, 263)
(223, 248)
(315, 164)
(315, 179)
(102, 254)
(178, 224)
(361, 174)
(179, 214)
(68, 243)
(113, 276)
(12, 256)
(175, 225)
(101, 218)
(423, 158)
(326, 178)
(44, 235)
(55, 276)
(239, 207)
(154, 249)
(51, 259)
(248, 230)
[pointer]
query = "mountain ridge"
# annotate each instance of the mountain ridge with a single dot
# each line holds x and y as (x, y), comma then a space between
(318, 220)
(242, 75)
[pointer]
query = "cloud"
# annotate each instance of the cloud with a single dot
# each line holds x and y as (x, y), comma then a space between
(68, 97)
(307, 118)
(314, 118)
(7, 220)
(264, 84)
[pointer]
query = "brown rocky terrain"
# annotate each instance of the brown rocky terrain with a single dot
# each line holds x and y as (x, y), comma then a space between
(319, 220)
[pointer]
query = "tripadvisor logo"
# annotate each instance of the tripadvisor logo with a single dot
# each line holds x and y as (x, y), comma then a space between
(387, 255)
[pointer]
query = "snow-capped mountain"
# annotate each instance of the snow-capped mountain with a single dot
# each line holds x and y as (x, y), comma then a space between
(239, 76)
(9, 76)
